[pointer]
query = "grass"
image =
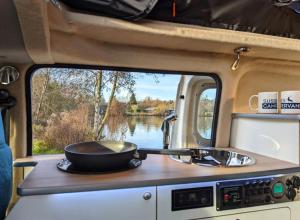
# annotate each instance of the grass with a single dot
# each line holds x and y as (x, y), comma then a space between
(40, 147)
(46, 151)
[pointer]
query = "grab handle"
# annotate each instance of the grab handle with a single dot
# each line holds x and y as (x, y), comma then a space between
(143, 152)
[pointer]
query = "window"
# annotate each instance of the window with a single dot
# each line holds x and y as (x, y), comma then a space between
(70, 105)
(206, 108)
(206, 113)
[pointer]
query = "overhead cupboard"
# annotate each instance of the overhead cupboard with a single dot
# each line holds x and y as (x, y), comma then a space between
(225, 14)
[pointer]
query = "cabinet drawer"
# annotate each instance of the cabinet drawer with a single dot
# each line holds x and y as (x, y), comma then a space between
(129, 204)
(273, 214)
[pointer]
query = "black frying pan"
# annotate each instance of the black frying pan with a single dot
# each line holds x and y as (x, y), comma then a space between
(111, 155)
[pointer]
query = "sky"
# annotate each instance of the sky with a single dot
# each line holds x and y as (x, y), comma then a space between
(209, 93)
(164, 89)
(156, 86)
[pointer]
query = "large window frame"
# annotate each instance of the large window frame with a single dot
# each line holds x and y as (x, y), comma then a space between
(34, 68)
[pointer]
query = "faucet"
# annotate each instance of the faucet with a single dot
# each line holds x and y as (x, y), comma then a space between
(165, 127)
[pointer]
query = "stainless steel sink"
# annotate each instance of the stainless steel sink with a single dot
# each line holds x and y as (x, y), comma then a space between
(217, 157)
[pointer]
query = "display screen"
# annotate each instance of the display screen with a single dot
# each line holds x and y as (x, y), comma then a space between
(231, 196)
(192, 198)
(278, 188)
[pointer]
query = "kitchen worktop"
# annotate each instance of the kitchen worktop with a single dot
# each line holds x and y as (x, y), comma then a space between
(155, 170)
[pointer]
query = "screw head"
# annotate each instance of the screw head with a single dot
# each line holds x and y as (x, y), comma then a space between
(147, 195)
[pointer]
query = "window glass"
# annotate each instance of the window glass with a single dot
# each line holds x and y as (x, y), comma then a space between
(206, 112)
(71, 105)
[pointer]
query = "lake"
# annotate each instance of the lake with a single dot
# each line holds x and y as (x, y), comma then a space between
(145, 131)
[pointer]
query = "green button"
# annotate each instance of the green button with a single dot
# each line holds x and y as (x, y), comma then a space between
(278, 188)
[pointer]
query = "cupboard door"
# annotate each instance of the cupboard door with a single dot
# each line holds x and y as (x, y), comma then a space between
(276, 138)
(125, 204)
(272, 214)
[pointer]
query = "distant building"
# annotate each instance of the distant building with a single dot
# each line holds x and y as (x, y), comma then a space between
(150, 109)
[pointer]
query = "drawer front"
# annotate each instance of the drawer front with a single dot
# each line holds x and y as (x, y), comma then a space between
(272, 214)
(127, 204)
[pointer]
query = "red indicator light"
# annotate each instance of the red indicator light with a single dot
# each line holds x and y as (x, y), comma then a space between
(226, 197)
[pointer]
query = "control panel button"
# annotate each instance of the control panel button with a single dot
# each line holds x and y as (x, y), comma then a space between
(289, 182)
(278, 190)
(248, 192)
(232, 196)
(268, 199)
(291, 193)
(254, 183)
(261, 183)
(204, 200)
(296, 182)
(267, 190)
(247, 184)
(260, 191)
(268, 182)
(226, 198)
(254, 191)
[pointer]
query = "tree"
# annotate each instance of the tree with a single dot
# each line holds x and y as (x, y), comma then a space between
(111, 82)
(40, 87)
(132, 100)
(62, 89)
(97, 102)
(49, 96)
(106, 114)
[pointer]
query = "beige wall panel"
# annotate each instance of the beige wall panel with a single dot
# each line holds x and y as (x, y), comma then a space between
(257, 81)
(33, 18)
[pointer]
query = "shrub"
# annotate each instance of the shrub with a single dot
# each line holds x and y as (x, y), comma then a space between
(41, 147)
(38, 131)
(68, 127)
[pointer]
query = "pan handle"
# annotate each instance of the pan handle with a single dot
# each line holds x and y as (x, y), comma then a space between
(143, 152)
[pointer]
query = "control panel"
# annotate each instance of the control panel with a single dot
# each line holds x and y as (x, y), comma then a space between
(192, 198)
(254, 192)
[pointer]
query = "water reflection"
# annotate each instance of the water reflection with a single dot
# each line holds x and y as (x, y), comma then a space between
(142, 130)
(145, 131)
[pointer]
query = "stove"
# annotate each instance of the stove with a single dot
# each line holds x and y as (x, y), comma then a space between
(66, 166)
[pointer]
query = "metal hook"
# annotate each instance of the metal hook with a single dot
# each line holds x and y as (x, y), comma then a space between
(238, 51)
(281, 3)
(56, 3)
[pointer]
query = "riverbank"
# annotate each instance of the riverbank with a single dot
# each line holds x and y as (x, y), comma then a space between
(145, 114)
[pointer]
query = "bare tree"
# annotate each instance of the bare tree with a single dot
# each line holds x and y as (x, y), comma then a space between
(97, 103)
(111, 81)
(81, 86)
(111, 97)
(40, 92)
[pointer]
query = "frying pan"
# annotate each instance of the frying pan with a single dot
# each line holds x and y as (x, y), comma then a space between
(112, 155)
